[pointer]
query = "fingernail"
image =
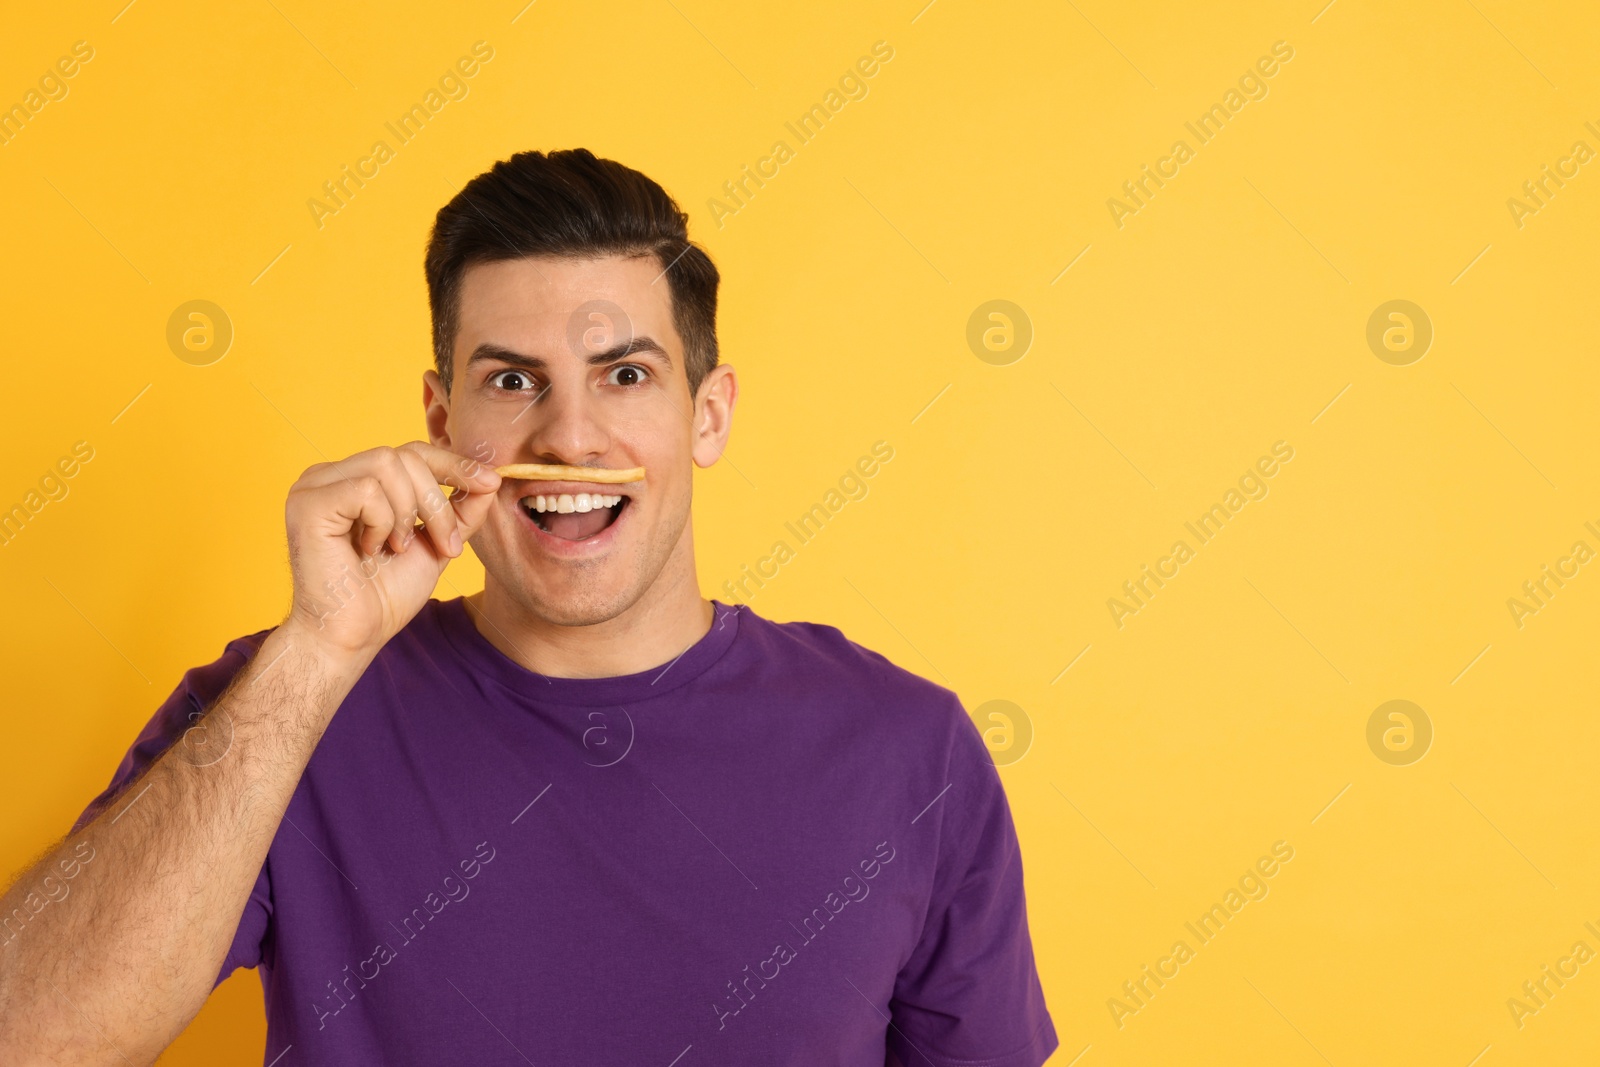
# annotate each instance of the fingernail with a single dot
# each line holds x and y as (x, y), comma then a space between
(455, 542)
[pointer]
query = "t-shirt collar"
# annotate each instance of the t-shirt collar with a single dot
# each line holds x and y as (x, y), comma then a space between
(483, 657)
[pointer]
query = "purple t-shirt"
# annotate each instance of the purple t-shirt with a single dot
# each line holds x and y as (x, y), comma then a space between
(779, 848)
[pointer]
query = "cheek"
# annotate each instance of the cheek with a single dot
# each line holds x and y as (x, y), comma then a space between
(669, 485)
(486, 432)
(659, 445)
(490, 436)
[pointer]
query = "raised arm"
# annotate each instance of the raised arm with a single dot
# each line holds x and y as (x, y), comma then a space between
(160, 877)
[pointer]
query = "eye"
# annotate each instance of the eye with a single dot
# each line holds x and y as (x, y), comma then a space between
(512, 381)
(627, 374)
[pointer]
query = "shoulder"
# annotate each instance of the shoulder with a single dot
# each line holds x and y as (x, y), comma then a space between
(195, 692)
(824, 655)
(823, 644)
(918, 733)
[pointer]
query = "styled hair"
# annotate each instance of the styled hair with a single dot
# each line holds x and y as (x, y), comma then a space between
(570, 203)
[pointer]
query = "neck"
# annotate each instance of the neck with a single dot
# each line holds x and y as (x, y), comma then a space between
(653, 631)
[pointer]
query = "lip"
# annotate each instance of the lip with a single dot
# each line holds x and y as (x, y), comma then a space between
(560, 547)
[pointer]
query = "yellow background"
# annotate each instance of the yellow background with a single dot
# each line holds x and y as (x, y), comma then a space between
(1223, 317)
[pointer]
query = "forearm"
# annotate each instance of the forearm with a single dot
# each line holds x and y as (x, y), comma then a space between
(127, 950)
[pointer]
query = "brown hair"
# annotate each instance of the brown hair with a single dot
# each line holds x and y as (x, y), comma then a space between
(569, 203)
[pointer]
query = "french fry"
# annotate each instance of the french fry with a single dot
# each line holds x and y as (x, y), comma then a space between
(555, 472)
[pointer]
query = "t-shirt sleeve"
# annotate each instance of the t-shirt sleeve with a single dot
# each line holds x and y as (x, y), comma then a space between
(969, 994)
(197, 691)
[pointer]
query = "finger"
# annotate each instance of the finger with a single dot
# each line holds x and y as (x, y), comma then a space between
(449, 468)
(438, 517)
(371, 534)
(472, 510)
(359, 506)
(385, 465)
(453, 469)
(342, 470)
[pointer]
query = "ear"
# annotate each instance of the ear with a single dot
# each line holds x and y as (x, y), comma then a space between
(713, 414)
(436, 409)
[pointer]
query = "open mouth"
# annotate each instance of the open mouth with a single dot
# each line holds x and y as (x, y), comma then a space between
(574, 516)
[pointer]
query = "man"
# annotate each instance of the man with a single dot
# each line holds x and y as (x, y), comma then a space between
(584, 816)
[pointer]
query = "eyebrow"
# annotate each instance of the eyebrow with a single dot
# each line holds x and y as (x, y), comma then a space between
(616, 353)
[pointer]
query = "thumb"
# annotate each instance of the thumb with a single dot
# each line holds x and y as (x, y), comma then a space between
(472, 511)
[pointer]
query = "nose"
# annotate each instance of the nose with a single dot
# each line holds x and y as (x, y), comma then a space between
(565, 425)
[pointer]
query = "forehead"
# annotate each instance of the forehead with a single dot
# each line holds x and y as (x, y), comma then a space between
(540, 297)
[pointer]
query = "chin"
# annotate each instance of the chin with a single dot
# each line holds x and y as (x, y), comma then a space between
(576, 607)
(567, 593)
(565, 582)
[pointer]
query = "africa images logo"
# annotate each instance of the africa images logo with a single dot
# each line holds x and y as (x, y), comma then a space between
(741, 991)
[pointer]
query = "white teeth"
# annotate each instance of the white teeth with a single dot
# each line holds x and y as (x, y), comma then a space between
(570, 502)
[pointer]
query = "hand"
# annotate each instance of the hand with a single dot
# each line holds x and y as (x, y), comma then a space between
(362, 568)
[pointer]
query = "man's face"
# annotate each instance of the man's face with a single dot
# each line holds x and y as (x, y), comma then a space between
(577, 362)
